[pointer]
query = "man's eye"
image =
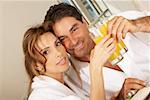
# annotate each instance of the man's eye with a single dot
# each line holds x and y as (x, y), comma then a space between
(45, 52)
(74, 29)
(61, 39)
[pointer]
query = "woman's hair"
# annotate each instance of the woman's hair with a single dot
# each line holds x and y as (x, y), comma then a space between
(31, 54)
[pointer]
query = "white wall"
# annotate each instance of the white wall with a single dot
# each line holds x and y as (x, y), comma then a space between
(15, 18)
(0, 50)
(117, 6)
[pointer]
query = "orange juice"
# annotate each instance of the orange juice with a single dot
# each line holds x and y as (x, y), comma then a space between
(120, 49)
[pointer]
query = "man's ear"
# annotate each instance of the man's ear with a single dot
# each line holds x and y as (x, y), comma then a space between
(84, 21)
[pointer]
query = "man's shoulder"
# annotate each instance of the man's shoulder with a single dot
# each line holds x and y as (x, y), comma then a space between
(78, 64)
(132, 14)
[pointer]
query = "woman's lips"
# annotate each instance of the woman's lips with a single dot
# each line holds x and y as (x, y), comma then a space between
(62, 61)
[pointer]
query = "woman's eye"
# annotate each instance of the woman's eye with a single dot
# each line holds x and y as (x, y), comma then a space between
(58, 43)
(45, 52)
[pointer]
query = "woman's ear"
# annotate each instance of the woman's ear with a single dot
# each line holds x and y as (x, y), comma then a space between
(39, 67)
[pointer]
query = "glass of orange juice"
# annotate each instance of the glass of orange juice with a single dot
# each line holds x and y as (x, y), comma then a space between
(97, 33)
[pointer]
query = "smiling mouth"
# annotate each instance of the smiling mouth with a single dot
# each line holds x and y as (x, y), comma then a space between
(62, 61)
(79, 46)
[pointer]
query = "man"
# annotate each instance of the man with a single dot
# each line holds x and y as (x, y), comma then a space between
(72, 30)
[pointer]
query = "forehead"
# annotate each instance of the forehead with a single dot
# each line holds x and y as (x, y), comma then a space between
(47, 39)
(64, 25)
(67, 20)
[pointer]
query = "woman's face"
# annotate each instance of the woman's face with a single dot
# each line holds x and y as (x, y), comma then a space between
(55, 53)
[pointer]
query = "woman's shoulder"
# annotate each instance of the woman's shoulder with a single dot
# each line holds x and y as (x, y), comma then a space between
(45, 88)
(45, 94)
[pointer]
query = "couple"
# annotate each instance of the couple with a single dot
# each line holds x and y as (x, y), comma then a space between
(46, 60)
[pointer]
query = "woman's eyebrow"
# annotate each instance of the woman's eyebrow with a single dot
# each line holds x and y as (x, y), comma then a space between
(57, 40)
(45, 48)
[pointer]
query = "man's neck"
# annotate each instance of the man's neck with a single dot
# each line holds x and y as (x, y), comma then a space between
(84, 59)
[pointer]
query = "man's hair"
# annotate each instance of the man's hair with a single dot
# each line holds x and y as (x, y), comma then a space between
(59, 11)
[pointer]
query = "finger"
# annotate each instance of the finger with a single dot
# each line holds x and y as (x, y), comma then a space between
(106, 52)
(119, 37)
(108, 42)
(124, 35)
(135, 80)
(132, 92)
(116, 26)
(111, 48)
(92, 53)
(120, 29)
(111, 23)
(135, 86)
(125, 30)
(104, 40)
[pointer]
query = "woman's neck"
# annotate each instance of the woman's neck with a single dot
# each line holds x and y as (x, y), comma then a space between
(59, 77)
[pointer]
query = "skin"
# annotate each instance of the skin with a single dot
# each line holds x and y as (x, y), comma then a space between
(120, 26)
(75, 37)
(55, 53)
(130, 84)
(105, 48)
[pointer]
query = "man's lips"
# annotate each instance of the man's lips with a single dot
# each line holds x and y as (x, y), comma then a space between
(79, 46)
(62, 61)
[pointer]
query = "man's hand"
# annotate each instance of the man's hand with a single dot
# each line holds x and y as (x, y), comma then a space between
(119, 26)
(130, 84)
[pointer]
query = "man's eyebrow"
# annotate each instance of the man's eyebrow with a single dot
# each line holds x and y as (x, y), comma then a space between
(74, 25)
(60, 37)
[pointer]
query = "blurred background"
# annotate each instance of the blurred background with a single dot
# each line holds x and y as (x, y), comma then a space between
(16, 16)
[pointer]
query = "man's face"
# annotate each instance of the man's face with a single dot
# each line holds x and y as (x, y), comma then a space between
(74, 36)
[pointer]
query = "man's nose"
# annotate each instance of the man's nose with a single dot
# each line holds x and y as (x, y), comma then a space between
(73, 40)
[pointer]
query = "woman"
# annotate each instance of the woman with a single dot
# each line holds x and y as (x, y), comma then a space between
(46, 62)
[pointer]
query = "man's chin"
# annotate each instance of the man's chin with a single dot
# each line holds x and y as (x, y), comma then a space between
(80, 54)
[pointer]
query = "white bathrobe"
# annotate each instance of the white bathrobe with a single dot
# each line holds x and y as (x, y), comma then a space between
(47, 88)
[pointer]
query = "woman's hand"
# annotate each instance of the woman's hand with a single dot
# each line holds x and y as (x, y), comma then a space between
(98, 58)
(102, 51)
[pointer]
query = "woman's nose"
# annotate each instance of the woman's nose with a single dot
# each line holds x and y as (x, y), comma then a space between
(58, 53)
